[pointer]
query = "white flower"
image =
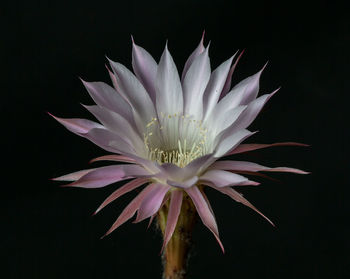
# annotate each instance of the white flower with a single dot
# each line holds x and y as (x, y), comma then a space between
(171, 132)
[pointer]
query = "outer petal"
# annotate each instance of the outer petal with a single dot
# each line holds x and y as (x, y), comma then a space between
(227, 85)
(173, 215)
(194, 84)
(152, 202)
(221, 178)
(131, 88)
(130, 210)
(226, 144)
(104, 176)
(145, 68)
(254, 146)
(243, 93)
(77, 125)
(73, 176)
(117, 158)
(239, 198)
(251, 167)
(115, 122)
(105, 96)
(168, 86)
(133, 184)
(200, 48)
(204, 212)
(215, 86)
(248, 115)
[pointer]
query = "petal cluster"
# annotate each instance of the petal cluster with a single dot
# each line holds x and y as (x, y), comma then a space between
(167, 134)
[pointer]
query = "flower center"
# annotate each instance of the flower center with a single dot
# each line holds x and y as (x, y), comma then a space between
(175, 139)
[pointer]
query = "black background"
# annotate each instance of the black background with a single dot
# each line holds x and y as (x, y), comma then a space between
(48, 231)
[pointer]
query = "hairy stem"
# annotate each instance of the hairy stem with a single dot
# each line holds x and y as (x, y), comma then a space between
(175, 255)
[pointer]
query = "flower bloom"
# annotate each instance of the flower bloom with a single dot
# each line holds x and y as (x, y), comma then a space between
(170, 132)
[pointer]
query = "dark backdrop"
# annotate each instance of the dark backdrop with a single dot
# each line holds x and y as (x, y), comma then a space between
(48, 231)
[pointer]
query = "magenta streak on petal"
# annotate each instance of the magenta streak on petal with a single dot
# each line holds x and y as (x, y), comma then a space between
(204, 212)
(254, 146)
(173, 215)
(251, 167)
(227, 85)
(107, 175)
(77, 125)
(133, 184)
(239, 198)
(152, 202)
(73, 176)
(117, 158)
(131, 208)
(200, 48)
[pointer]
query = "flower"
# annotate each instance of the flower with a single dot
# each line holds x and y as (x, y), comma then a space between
(170, 133)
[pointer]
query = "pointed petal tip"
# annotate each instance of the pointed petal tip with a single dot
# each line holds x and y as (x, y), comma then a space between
(132, 39)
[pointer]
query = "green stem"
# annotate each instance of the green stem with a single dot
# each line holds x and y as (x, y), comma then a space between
(175, 255)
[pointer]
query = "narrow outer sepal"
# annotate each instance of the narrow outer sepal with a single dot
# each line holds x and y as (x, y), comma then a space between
(175, 255)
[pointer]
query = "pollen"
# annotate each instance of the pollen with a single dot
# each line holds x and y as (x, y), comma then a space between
(175, 138)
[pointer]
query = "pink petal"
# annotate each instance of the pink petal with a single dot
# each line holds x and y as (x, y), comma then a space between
(77, 125)
(152, 202)
(204, 212)
(226, 144)
(130, 210)
(118, 124)
(168, 86)
(221, 178)
(117, 158)
(145, 69)
(200, 48)
(194, 84)
(227, 85)
(105, 96)
(215, 86)
(73, 176)
(254, 146)
(239, 198)
(251, 167)
(173, 215)
(104, 176)
(132, 89)
(133, 184)
(185, 184)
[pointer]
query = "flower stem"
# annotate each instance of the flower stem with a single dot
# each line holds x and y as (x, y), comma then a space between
(175, 255)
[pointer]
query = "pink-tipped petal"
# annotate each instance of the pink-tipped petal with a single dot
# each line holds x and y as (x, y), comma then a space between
(130, 210)
(221, 178)
(239, 198)
(168, 86)
(133, 184)
(106, 96)
(194, 84)
(152, 202)
(254, 146)
(116, 158)
(145, 68)
(77, 125)
(173, 215)
(200, 48)
(104, 176)
(204, 212)
(73, 176)
(227, 85)
(251, 167)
